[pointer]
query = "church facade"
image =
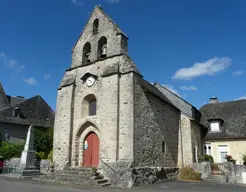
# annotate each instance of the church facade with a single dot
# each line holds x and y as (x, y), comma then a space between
(107, 115)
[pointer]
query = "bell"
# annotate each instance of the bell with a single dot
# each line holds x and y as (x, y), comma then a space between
(104, 51)
(87, 55)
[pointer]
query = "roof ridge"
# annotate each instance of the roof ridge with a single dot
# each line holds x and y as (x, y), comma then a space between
(223, 102)
(174, 94)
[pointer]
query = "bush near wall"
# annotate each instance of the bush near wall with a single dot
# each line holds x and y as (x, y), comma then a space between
(206, 158)
(189, 174)
(244, 159)
(43, 142)
(9, 150)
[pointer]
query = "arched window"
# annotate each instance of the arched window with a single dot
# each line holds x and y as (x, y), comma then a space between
(102, 47)
(86, 53)
(89, 106)
(95, 26)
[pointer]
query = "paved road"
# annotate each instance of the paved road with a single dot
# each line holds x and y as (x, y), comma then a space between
(13, 185)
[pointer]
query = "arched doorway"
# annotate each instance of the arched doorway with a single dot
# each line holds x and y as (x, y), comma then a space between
(91, 150)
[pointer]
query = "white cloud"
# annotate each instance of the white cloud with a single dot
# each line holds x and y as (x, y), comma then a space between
(11, 63)
(237, 73)
(78, 3)
(171, 88)
(188, 88)
(241, 98)
(209, 67)
(113, 1)
(47, 77)
(31, 81)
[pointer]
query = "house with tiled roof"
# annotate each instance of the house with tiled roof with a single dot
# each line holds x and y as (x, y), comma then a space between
(227, 130)
(18, 113)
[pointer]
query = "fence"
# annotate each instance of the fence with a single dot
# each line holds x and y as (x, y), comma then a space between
(15, 169)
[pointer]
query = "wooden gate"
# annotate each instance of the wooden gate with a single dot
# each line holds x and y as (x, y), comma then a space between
(91, 151)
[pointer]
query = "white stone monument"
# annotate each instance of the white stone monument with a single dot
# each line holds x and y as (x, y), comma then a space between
(28, 154)
(28, 167)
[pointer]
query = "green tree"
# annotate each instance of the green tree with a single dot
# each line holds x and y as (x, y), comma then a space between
(9, 150)
(43, 140)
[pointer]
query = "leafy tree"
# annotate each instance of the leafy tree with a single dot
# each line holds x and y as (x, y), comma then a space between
(43, 141)
(9, 150)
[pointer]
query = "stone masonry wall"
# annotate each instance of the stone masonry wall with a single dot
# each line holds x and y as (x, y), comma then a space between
(127, 177)
(196, 137)
(62, 127)
(185, 142)
(113, 122)
(155, 121)
(190, 138)
(126, 118)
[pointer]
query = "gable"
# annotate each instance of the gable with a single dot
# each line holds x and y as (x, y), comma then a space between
(106, 24)
(100, 39)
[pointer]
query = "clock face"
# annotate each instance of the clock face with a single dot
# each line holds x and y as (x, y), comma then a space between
(90, 81)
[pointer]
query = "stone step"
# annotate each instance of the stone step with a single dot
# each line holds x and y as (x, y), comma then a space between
(80, 169)
(101, 181)
(104, 184)
(97, 177)
(217, 179)
(73, 177)
(73, 172)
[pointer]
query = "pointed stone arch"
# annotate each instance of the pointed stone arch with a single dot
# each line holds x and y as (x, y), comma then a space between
(85, 129)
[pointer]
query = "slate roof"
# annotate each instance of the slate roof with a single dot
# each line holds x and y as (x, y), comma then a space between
(35, 111)
(232, 113)
(3, 98)
(184, 106)
(15, 100)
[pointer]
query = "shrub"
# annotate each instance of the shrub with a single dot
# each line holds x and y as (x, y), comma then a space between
(187, 173)
(215, 167)
(50, 156)
(244, 159)
(43, 140)
(40, 155)
(206, 158)
(9, 150)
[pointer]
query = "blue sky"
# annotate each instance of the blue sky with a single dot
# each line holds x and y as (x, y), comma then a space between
(196, 48)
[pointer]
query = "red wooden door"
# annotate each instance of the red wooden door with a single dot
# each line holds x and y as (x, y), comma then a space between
(91, 151)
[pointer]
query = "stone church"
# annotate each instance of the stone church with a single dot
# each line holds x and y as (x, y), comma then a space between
(108, 116)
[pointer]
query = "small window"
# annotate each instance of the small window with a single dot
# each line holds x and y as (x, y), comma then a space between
(92, 107)
(164, 150)
(95, 26)
(89, 106)
(215, 126)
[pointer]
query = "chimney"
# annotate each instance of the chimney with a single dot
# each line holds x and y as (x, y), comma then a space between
(213, 100)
